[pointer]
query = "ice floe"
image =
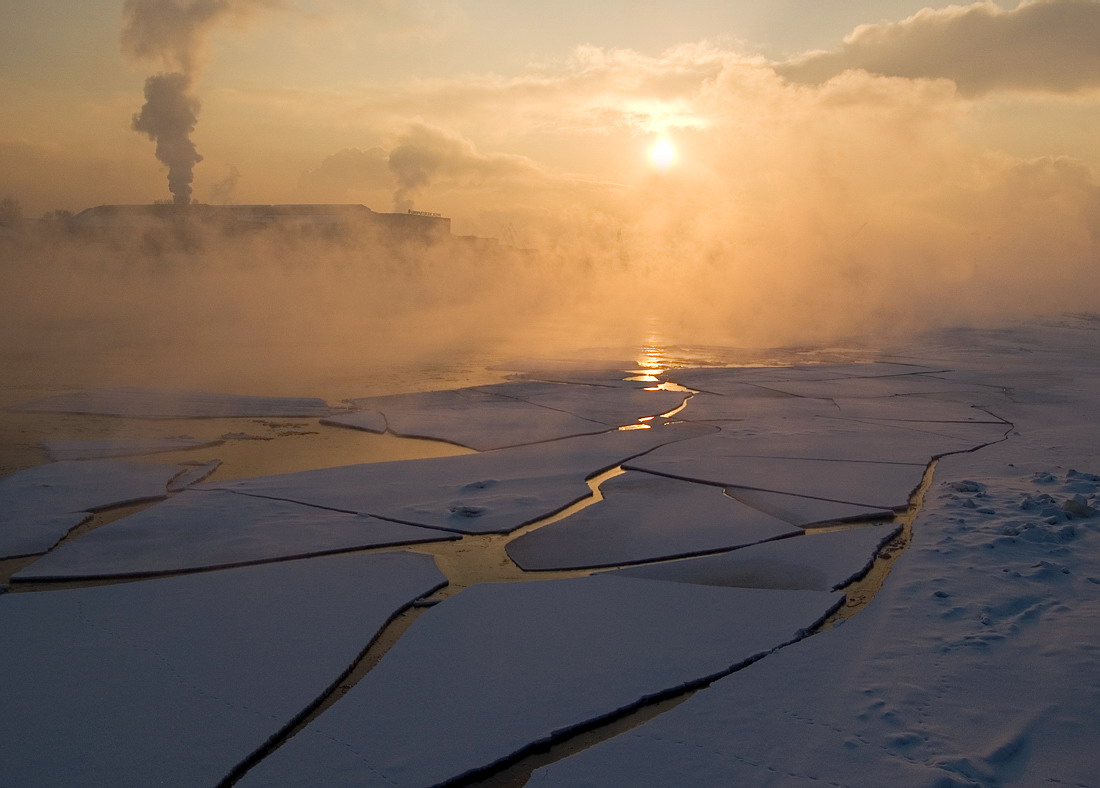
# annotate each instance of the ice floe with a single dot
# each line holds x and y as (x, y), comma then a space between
(175, 681)
(646, 518)
(202, 530)
(39, 505)
(912, 409)
(823, 439)
(613, 407)
(880, 485)
(974, 665)
(156, 404)
(106, 449)
(731, 380)
(805, 512)
(501, 667)
(194, 473)
(752, 404)
(887, 386)
(366, 420)
(491, 492)
(468, 417)
(817, 562)
(912, 691)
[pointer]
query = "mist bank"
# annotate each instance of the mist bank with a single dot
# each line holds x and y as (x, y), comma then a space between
(275, 310)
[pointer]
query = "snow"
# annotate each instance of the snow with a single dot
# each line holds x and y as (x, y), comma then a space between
(174, 681)
(874, 387)
(490, 492)
(105, 449)
(39, 505)
(467, 417)
(613, 407)
(502, 666)
(805, 512)
(753, 403)
(646, 518)
(976, 664)
(724, 380)
(822, 439)
(627, 377)
(509, 414)
(879, 485)
(911, 408)
(203, 530)
(155, 404)
(817, 562)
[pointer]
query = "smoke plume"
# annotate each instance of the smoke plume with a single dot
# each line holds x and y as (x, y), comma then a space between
(174, 32)
(424, 154)
(222, 191)
(168, 117)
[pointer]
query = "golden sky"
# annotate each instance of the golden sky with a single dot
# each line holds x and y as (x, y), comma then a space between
(510, 116)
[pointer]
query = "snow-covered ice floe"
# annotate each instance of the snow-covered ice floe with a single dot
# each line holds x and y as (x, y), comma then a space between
(106, 449)
(203, 530)
(176, 681)
(503, 666)
(977, 662)
(146, 403)
(39, 505)
(508, 414)
(821, 562)
(646, 518)
(491, 492)
(974, 665)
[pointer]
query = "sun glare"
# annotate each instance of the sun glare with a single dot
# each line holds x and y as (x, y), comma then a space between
(662, 155)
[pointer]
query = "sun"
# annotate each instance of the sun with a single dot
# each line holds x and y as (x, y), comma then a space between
(662, 154)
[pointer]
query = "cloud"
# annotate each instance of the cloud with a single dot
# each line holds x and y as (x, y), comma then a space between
(592, 91)
(1043, 45)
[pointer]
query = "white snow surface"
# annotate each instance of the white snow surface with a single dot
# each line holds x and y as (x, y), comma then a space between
(646, 518)
(817, 562)
(977, 664)
(491, 492)
(500, 667)
(39, 505)
(203, 530)
(174, 681)
(145, 403)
